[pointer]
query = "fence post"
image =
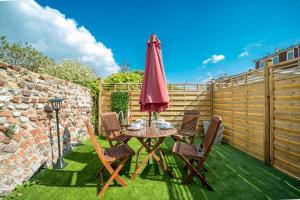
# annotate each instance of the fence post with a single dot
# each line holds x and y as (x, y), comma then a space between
(267, 113)
(100, 107)
(212, 96)
(271, 92)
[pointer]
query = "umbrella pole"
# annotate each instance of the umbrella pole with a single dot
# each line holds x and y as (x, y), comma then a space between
(150, 113)
(149, 142)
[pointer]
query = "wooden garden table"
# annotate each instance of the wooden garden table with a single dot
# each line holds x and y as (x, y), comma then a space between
(148, 133)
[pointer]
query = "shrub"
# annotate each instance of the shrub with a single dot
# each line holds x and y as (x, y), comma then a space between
(125, 77)
(120, 102)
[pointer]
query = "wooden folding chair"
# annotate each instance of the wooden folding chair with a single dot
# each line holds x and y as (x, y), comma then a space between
(190, 153)
(188, 128)
(108, 157)
(113, 129)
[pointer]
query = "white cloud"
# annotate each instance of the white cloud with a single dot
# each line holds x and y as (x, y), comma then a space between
(245, 53)
(53, 33)
(214, 59)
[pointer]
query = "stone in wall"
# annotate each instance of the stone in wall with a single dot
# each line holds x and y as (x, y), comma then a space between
(23, 95)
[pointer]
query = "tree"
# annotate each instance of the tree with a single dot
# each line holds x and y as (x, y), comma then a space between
(124, 77)
(71, 70)
(23, 55)
(124, 67)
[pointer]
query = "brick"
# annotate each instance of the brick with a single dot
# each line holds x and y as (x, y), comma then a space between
(6, 114)
(33, 118)
(3, 65)
(44, 137)
(42, 117)
(37, 140)
(16, 99)
(30, 86)
(39, 87)
(24, 145)
(21, 153)
(46, 89)
(33, 100)
(21, 84)
(35, 132)
(18, 137)
(25, 113)
(12, 120)
(22, 106)
(25, 100)
(2, 128)
(43, 77)
(26, 93)
(25, 161)
(29, 79)
(9, 148)
(4, 98)
(42, 100)
(16, 68)
(2, 83)
(4, 139)
(24, 119)
(24, 133)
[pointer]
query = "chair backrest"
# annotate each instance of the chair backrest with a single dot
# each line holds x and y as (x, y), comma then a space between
(111, 124)
(190, 120)
(96, 145)
(210, 136)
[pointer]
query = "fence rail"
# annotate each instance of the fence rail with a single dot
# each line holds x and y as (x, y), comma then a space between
(182, 96)
(260, 110)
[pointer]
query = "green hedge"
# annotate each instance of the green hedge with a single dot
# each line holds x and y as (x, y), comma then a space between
(119, 102)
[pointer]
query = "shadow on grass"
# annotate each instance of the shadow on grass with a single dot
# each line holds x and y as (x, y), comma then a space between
(234, 175)
(81, 170)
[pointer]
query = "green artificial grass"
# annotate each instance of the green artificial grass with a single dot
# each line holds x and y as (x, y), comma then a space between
(232, 173)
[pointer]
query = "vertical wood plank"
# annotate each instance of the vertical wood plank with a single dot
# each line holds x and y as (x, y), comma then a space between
(100, 107)
(267, 113)
(271, 92)
(212, 85)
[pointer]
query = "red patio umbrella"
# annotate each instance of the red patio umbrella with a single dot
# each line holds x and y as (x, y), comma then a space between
(154, 95)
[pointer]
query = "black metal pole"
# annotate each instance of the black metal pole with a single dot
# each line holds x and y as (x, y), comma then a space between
(58, 137)
(60, 163)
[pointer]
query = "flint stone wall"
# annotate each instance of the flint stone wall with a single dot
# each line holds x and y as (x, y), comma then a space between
(23, 96)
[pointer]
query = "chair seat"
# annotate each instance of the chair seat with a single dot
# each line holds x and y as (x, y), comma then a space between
(117, 152)
(187, 133)
(119, 137)
(188, 150)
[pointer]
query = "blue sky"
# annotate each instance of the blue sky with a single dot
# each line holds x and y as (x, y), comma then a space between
(191, 31)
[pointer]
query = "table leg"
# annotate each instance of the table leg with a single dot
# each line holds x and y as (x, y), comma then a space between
(151, 153)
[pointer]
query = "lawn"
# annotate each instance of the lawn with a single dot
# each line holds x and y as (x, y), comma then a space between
(232, 173)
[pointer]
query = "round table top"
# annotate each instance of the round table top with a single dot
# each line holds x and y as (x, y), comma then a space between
(151, 132)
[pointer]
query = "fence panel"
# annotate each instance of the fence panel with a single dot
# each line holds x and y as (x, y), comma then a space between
(239, 100)
(182, 97)
(285, 106)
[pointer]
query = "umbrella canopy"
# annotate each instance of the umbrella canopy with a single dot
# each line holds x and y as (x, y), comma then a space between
(154, 95)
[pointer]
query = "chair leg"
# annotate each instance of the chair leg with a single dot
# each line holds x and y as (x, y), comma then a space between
(112, 177)
(194, 171)
(100, 171)
(191, 161)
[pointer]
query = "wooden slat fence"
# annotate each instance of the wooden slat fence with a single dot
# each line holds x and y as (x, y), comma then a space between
(239, 100)
(285, 117)
(260, 110)
(261, 113)
(182, 97)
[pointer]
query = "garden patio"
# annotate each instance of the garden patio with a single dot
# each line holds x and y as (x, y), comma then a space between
(232, 173)
(258, 158)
